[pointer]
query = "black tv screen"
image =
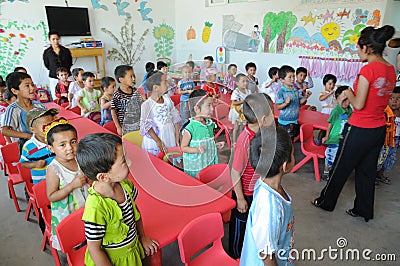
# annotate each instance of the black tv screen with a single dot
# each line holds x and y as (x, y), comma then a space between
(68, 21)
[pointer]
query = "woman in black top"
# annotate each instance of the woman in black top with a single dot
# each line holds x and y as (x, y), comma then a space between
(54, 57)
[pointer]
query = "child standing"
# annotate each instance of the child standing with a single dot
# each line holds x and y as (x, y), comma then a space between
(230, 79)
(270, 227)
(185, 88)
(236, 115)
(337, 119)
(198, 144)
(300, 83)
(89, 98)
(67, 188)
(209, 85)
(75, 87)
(149, 68)
(272, 86)
(242, 174)
(389, 149)
(113, 225)
(108, 86)
(159, 120)
(251, 70)
(62, 86)
(14, 122)
(208, 63)
(126, 101)
(163, 67)
(288, 101)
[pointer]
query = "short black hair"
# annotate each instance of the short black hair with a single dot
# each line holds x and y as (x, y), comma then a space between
(284, 70)
(153, 78)
(161, 64)
(53, 32)
(329, 77)
(339, 90)
(86, 75)
(209, 57)
(190, 63)
(106, 81)
(396, 89)
(194, 97)
(239, 76)
(75, 71)
(272, 71)
(14, 79)
(249, 104)
(258, 150)
(18, 68)
(7, 94)
(2, 82)
(149, 66)
(57, 129)
(97, 153)
(61, 69)
(249, 65)
(232, 65)
(301, 70)
(120, 71)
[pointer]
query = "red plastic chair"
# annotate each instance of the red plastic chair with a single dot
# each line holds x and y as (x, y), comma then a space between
(200, 233)
(111, 127)
(172, 154)
(218, 176)
(176, 99)
(64, 105)
(27, 177)
(309, 149)
(10, 153)
(72, 243)
(39, 190)
(3, 142)
(222, 114)
(76, 110)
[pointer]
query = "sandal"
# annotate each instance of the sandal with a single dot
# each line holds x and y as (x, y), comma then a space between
(315, 202)
(352, 213)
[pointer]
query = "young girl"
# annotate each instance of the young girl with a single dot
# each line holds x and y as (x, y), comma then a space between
(328, 101)
(209, 85)
(159, 120)
(108, 86)
(89, 98)
(198, 145)
(67, 187)
(75, 87)
(236, 113)
(113, 225)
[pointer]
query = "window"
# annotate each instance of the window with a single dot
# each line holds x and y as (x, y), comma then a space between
(226, 2)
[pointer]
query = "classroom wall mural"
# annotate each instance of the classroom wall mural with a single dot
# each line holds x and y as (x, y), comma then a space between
(122, 9)
(15, 39)
(164, 35)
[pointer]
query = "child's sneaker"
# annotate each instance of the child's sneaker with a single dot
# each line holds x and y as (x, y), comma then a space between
(381, 178)
(325, 176)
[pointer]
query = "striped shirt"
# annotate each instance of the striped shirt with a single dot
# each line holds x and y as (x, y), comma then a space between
(33, 151)
(95, 232)
(119, 103)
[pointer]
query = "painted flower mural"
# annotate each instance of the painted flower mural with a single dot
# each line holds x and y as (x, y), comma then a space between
(164, 35)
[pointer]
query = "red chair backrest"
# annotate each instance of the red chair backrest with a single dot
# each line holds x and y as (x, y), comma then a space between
(307, 136)
(198, 234)
(11, 156)
(176, 99)
(76, 110)
(71, 233)
(27, 177)
(222, 111)
(217, 176)
(111, 127)
(64, 105)
(3, 140)
(39, 190)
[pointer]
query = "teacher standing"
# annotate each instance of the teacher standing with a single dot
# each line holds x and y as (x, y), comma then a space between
(54, 57)
(364, 134)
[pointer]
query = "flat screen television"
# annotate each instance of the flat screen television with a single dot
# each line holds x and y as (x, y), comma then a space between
(68, 21)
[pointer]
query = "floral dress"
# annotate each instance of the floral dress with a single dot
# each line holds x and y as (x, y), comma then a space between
(201, 134)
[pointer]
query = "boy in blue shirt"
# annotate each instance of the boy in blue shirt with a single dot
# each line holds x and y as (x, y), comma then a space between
(185, 88)
(288, 101)
(269, 235)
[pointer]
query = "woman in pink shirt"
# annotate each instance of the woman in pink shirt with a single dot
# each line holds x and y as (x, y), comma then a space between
(363, 136)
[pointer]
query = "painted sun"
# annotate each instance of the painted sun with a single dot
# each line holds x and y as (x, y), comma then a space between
(330, 31)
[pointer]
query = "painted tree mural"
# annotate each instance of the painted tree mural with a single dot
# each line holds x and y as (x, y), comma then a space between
(277, 26)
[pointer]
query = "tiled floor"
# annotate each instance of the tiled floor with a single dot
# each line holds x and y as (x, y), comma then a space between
(315, 229)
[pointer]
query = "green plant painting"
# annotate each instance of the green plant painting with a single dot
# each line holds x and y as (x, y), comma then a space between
(129, 50)
(14, 43)
(350, 37)
(164, 35)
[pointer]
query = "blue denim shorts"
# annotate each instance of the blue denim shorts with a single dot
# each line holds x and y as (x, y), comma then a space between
(330, 154)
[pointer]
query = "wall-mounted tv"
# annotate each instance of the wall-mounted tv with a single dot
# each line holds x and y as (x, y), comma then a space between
(68, 21)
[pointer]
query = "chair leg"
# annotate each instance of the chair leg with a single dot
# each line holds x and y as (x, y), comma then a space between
(301, 163)
(45, 239)
(36, 210)
(228, 138)
(14, 197)
(56, 258)
(28, 210)
(316, 169)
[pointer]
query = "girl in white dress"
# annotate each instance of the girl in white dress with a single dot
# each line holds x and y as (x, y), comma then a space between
(159, 120)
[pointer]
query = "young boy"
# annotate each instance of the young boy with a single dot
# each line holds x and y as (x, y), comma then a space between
(35, 153)
(251, 70)
(272, 86)
(108, 86)
(163, 67)
(62, 85)
(288, 101)
(89, 98)
(149, 68)
(126, 101)
(337, 119)
(185, 88)
(242, 174)
(269, 235)
(14, 123)
(208, 63)
(229, 79)
(300, 83)
(389, 149)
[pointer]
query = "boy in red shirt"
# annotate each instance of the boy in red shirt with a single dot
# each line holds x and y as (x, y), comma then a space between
(242, 174)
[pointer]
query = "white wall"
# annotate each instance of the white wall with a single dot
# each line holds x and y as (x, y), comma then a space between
(34, 11)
